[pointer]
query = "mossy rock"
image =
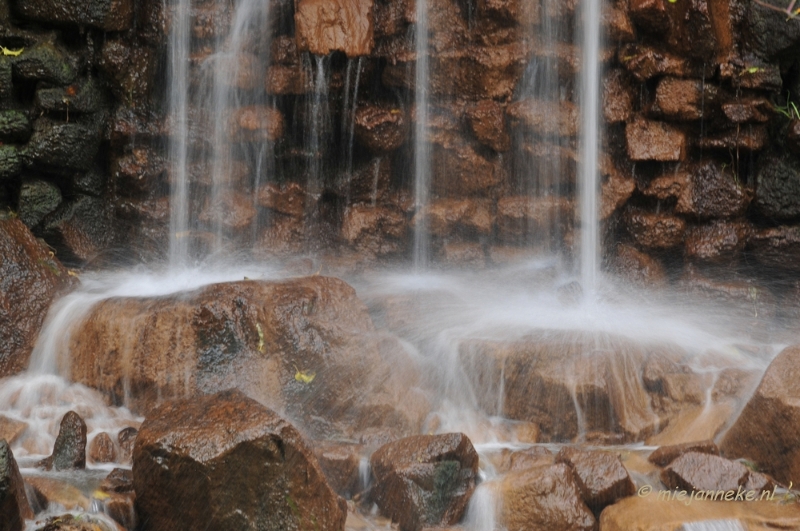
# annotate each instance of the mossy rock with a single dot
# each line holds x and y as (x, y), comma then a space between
(14, 126)
(84, 96)
(10, 164)
(44, 62)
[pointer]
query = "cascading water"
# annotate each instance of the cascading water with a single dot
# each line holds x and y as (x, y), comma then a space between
(422, 155)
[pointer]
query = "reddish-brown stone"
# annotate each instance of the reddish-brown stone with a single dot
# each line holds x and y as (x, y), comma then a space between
(14, 506)
(684, 99)
(664, 455)
(30, 278)
(424, 480)
(649, 140)
(547, 118)
(695, 471)
(645, 62)
(289, 199)
(521, 216)
(102, 449)
(450, 217)
(340, 463)
(255, 123)
(225, 461)
(618, 97)
(324, 26)
(381, 128)
(718, 241)
(488, 124)
(601, 477)
(655, 230)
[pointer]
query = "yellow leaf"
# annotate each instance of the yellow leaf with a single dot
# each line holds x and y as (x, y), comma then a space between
(72, 273)
(303, 376)
(260, 338)
(100, 495)
(12, 53)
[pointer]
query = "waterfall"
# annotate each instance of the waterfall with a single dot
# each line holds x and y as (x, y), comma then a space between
(422, 155)
(590, 139)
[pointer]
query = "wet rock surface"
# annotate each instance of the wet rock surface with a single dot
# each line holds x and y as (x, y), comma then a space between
(425, 480)
(14, 506)
(600, 476)
(760, 433)
(250, 469)
(665, 455)
(69, 451)
(30, 278)
(694, 471)
(305, 346)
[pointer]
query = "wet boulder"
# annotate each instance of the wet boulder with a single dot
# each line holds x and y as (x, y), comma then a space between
(224, 461)
(777, 247)
(37, 199)
(10, 163)
(130, 70)
(766, 32)
(102, 449)
(14, 506)
(518, 217)
(14, 126)
(449, 217)
(304, 346)
(324, 26)
(488, 124)
(546, 118)
(107, 15)
(543, 497)
(380, 128)
(341, 464)
(778, 186)
(424, 480)
(650, 140)
(69, 452)
(30, 278)
(553, 378)
(664, 455)
(83, 96)
(765, 432)
(645, 62)
(638, 267)
(256, 124)
(44, 62)
(79, 229)
(684, 99)
(60, 147)
(379, 231)
(618, 97)
(126, 439)
(464, 170)
(655, 230)
(600, 476)
(718, 241)
(694, 471)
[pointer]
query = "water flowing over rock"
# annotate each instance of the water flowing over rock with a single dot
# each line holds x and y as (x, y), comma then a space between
(764, 432)
(69, 451)
(14, 506)
(425, 480)
(261, 336)
(30, 278)
(665, 455)
(570, 383)
(224, 461)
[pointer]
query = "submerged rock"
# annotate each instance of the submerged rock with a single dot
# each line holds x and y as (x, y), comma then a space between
(765, 431)
(222, 462)
(30, 278)
(14, 506)
(305, 346)
(69, 451)
(424, 480)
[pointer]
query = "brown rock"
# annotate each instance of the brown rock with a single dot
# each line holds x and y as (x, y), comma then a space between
(102, 449)
(600, 476)
(118, 480)
(747, 110)
(126, 439)
(255, 124)
(488, 124)
(137, 173)
(340, 463)
(289, 199)
(747, 139)
(463, 253)
(285, 236)
(648, 140)
(544, 497)
(618, 97)
(645, 62)
(462, 170)
(655, 230)
(615, 191)
(763, 77)
(424, 480)
(639, 267)
(30, 278)
(83, 522)
(746, 298)
(694, 471)
(765, 431)
(121, 509)
(530, 458)
(517, 11)
(618, 24)
(368, 183)
(115, 15)
(209, 20)
(683, 99)
(664, 455)
(719, 241)
(57, 491)
(69, 451)
(546, 376)
(759, 483)
(685, 388)
(546, 118)
(14, 504)
(187, 450)
(381, 128)
(651, 15)
(324, 26)
(11, 429)
(450, 217)
(652, 513)
(379, 230)
(518, 217)
(131, 70)
(288, 79)
(256, 335)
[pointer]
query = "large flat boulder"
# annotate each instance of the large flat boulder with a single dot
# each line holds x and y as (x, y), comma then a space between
(224, 462)
(30, 278)
(306, 347)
